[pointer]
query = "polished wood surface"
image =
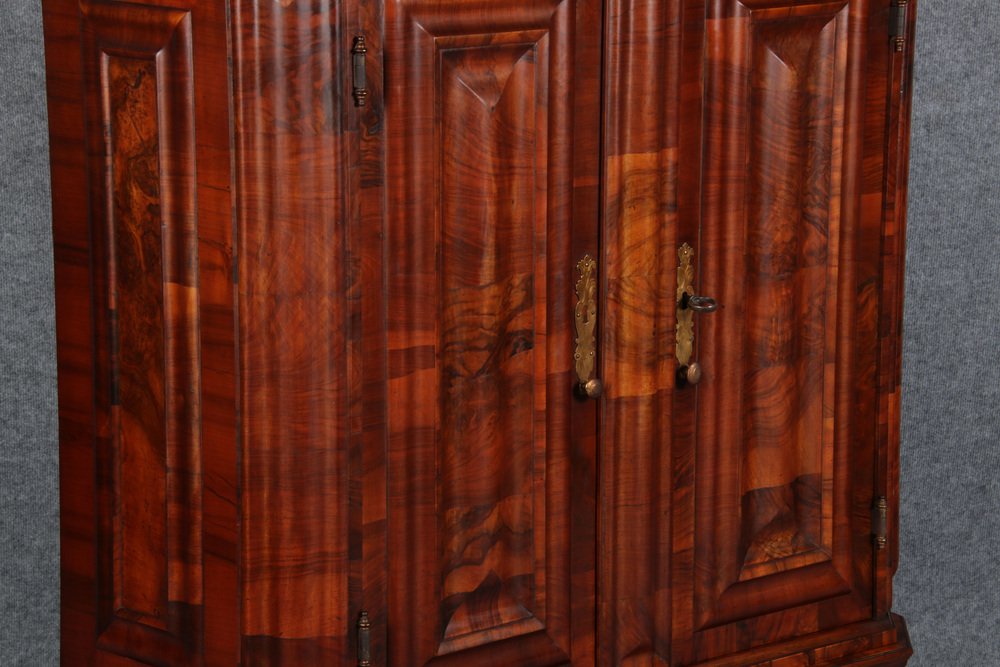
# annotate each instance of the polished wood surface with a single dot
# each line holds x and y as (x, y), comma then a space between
(293, 271)
(146, 322)
(316, 359)
(777, 455)
(491, 490)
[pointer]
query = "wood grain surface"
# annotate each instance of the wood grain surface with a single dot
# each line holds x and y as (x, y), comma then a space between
(317, 359)
(481, 227)
(294, 325)
(142, 231)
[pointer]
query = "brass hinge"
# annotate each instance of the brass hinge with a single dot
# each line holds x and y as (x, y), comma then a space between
(897, 24)
(358, 53)
(364, 640)
(880, 522)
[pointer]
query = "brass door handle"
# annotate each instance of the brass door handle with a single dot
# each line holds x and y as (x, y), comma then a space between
(688, 372)
(585, 355)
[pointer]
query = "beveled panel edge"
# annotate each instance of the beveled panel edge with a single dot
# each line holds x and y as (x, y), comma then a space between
(163, 36)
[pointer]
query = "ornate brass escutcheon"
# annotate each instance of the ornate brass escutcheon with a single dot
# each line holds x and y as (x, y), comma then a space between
(688, 303)
(586, 324)
(685, 316)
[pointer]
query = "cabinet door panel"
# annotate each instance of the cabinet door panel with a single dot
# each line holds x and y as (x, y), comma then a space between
(771, 410)
(481, 240)
(782, 453)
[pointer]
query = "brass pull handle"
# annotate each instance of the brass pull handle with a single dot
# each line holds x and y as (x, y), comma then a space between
(688, 372)
(586, 324)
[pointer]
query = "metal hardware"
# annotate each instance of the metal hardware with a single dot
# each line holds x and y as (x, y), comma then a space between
(699, 304)
(685, 317)
(586, 322)
(897, 24)
(880, 522)
(592, 388)
(364, 640)
(688, 304)
(690, 374)
(358, 51)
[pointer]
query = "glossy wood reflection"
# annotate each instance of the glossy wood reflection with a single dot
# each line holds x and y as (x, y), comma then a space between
(293, 274)
(479, 237)
(316, 360)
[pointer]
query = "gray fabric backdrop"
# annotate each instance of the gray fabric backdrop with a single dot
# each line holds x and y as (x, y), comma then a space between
(948, 585)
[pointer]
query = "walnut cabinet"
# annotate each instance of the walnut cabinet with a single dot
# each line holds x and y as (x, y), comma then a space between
(479, 332)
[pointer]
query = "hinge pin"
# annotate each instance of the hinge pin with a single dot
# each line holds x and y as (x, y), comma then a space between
(897, 24)
(358, 51)
(880, 522)
(364, 640)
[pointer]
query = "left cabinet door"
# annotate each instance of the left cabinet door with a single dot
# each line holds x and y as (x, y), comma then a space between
(492, 112)
(143, 268)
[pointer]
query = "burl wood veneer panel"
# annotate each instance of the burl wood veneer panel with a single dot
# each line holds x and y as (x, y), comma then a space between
(479, 234)
(147, 330)
(771, 415)
(142, 298)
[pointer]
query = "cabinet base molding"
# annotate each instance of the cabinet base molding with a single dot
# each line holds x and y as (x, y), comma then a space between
(883, 642)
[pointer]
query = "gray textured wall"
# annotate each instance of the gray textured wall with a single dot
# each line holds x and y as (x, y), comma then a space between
(948, 585)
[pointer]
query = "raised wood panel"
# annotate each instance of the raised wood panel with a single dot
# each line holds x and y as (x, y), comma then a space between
(144, 303)
(790, 298)
(479, 275)
(777, 524)
(294, 277)
(770, 411)
(147, 332)
(491, 421)
(138, 384)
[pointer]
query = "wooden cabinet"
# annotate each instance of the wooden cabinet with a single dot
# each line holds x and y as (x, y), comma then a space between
(326, 307)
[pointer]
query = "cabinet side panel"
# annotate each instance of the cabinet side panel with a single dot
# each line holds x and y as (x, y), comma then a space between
(144, 233)
(138, 383)
(129, 228)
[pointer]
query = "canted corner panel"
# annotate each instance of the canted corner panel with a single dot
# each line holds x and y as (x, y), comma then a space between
(774, 506)
(141, 140)
(492, 300)
(468, 312)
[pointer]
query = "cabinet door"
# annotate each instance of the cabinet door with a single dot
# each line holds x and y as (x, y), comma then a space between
(784, 421)
(492, 155)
